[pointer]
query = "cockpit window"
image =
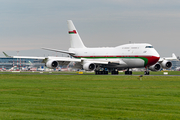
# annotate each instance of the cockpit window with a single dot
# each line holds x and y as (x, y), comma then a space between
(149, 46)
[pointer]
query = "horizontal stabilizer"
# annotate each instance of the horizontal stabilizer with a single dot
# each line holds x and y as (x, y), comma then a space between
(61, 51)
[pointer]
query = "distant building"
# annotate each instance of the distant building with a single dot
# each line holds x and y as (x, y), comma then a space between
(8, 63)
(176, 65)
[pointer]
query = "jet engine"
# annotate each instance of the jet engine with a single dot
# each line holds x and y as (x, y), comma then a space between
(155, 67)
(89, 66)
(52, 64)
(166, 64)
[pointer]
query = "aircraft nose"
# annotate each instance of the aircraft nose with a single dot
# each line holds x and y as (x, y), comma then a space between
(157, 54)
(152, 60)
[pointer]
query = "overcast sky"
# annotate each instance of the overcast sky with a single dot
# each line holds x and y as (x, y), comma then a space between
(28, 25)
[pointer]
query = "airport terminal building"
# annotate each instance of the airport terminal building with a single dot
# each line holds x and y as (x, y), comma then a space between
(8, 63)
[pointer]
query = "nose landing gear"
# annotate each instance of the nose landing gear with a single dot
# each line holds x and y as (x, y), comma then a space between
(146, 72)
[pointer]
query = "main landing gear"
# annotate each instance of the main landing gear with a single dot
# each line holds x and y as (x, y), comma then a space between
(98, 72)
(105, 72)
(128, 72)
(114, 72)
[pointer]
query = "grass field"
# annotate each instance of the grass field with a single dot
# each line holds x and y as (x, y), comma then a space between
(24, 96)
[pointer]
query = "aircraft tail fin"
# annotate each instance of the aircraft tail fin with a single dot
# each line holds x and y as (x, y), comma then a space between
(30, 62)
(6, 54)
(75, 39)
(174, 56)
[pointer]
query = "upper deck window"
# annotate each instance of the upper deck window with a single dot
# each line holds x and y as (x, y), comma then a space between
(149, 46)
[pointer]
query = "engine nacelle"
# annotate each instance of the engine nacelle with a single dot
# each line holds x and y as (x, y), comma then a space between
(155, 67)
(166, 64)
(89, 66)
(51, 64)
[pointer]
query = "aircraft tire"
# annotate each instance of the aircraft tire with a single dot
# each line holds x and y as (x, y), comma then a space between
(114, 73)
(128, 72)
(146, 72)
(101, 72)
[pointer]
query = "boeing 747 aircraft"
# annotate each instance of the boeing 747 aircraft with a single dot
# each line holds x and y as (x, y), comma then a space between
(107, 59)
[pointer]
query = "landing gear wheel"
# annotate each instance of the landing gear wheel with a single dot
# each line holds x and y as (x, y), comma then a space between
(97, 72)
(114, 72)
(128, 72)
(146, 72)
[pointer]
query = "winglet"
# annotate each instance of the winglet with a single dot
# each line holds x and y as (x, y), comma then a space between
(6, 54)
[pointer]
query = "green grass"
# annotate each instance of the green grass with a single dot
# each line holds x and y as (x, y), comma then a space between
(24, 96)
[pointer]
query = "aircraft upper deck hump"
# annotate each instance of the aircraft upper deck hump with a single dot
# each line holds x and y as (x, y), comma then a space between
(75, 39)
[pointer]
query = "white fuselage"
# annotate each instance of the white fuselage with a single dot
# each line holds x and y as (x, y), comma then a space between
(128, 55)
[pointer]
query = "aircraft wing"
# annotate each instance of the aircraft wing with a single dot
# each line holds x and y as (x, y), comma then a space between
(174, 57)
(53, 62)
(67, 59)
(61, 59)
(28, 57)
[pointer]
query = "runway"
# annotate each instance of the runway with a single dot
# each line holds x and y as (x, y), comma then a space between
(74, 73)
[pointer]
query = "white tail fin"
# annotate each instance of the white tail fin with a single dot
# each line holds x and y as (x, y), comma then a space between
(170, 58)
(174, 56)
(75, 39)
